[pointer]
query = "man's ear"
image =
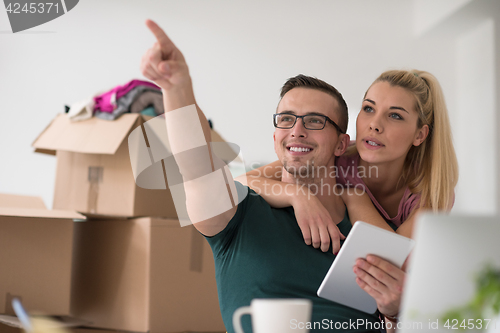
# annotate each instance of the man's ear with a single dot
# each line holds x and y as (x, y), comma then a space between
(421, 135)
(342, 145)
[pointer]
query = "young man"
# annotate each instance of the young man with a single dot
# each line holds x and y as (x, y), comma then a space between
(259, 251)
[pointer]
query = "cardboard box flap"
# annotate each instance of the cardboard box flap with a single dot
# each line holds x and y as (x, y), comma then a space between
(10, 321)
(21, 201)
(27, 212)
(92, 136)
(216, 136)
(225, 150)
(98, 136)
(46, 151)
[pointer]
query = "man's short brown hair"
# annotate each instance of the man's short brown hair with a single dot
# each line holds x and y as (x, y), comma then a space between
(304, 81)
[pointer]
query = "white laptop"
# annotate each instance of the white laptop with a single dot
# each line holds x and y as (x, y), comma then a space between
(450, 252)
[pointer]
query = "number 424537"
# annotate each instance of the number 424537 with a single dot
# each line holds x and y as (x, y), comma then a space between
(470, 324)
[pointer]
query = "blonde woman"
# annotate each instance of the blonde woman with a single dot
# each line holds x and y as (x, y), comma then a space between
(404, 160)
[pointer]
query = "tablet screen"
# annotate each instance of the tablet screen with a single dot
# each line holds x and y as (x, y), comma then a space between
(339, 284)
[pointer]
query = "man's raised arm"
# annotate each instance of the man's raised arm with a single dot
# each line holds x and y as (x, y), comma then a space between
(211, 197)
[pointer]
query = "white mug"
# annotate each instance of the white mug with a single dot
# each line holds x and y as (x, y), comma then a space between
(275, 315)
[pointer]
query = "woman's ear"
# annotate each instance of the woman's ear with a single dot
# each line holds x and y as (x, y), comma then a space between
(342, 145)
(421, 135)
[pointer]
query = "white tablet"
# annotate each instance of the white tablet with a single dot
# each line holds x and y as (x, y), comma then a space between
(339, 284)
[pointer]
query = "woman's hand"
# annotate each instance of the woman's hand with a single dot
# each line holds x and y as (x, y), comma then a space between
(316, 223)
(381, 280)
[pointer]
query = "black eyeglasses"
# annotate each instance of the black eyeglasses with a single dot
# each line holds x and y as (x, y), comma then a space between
(311, 121)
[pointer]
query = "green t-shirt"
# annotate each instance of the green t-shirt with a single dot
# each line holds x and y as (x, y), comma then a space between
(261, 254)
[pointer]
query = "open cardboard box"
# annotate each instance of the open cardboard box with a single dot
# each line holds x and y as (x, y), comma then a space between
(144, 275)
(36, 247)
(94, 171)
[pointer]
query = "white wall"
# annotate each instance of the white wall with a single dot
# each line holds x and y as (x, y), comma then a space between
(239, 53)
(476, 133)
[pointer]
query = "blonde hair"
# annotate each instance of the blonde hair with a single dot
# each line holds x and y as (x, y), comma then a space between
(430, 169)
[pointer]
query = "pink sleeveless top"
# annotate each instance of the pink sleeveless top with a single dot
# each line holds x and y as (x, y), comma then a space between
(349, 175)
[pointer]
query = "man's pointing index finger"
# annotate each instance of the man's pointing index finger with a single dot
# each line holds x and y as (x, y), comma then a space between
(165, 43)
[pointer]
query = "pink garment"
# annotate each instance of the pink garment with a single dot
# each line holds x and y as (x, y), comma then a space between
(107, 101)
(349, 175)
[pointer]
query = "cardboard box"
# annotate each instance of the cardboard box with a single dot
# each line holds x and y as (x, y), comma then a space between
(94, 175)
(36, 247)
(144, 275)
(94, 171)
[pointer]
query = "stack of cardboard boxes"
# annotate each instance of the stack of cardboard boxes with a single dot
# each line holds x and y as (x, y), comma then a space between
(127, 264)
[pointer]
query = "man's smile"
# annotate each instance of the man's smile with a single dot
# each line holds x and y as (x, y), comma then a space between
(298, 149)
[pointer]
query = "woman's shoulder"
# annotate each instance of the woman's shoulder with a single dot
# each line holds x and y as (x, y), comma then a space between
(408, 204)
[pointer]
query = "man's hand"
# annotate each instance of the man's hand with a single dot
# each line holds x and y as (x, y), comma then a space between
(210, 193)
(381, 280)
(316, 224)
(164, 63)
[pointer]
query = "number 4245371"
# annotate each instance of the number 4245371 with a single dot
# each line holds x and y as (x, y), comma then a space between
(34, 7)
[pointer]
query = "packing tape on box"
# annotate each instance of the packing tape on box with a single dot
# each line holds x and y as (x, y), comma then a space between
(94, 178)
